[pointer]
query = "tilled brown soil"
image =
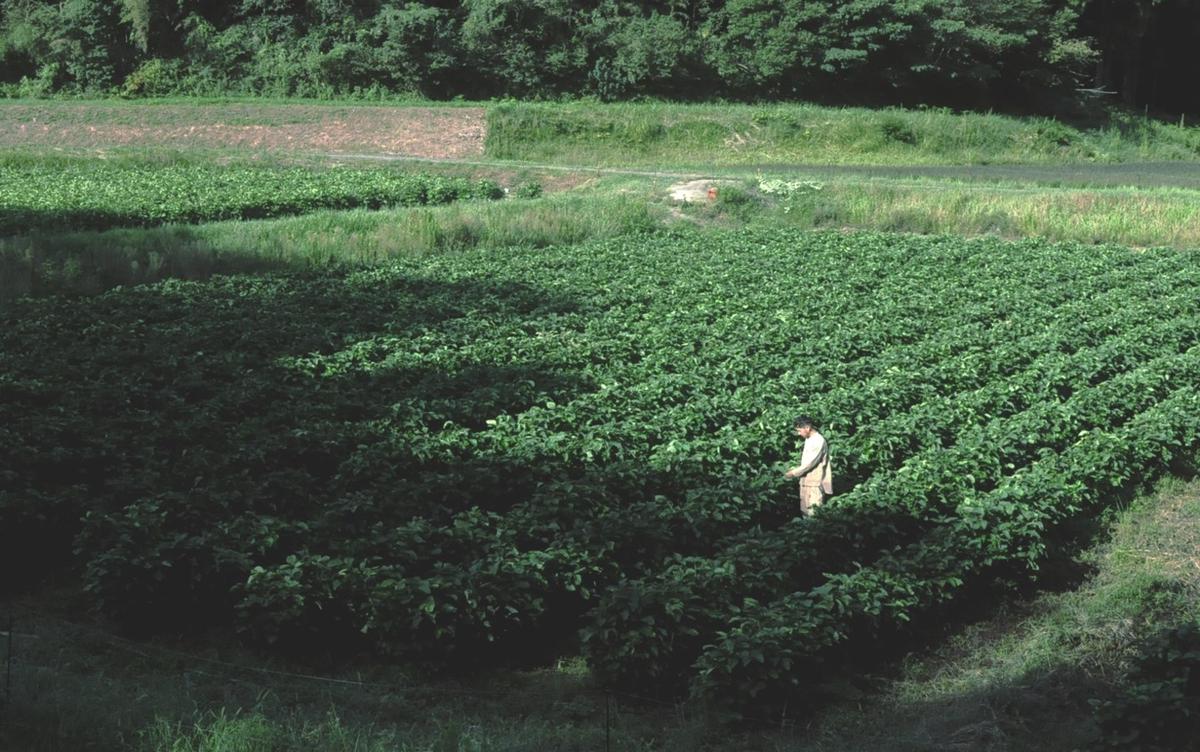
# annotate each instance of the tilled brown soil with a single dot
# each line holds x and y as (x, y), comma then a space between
(430, 132)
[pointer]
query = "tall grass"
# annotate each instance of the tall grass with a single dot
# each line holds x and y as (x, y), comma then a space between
(1125, 216)
(731, 135)
(91, 262)
(254, 731)
(223, 731)
(1154, 217)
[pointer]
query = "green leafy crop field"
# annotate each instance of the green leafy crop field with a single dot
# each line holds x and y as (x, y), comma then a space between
(507, 456)
(81, 194)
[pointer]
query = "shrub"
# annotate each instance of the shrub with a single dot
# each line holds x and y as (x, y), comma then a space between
(897, 131)
(528, 189)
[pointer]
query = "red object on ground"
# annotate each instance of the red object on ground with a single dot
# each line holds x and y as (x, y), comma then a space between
(712, 193)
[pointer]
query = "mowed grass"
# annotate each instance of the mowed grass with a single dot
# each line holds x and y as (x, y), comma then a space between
(715, 136)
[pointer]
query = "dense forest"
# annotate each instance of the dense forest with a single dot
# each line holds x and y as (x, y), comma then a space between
(1016, 55)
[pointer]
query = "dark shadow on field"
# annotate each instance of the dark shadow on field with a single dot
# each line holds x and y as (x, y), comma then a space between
(1046, 711)
(20, 220)
(176, 436)
(210, 426)
(80, 262)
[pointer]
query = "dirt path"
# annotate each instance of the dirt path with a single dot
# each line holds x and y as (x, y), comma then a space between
(1018, 179)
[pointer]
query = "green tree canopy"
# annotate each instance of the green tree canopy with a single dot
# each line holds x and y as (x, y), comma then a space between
(970, 53)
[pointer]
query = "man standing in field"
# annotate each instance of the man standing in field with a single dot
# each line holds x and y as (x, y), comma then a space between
(816, 482)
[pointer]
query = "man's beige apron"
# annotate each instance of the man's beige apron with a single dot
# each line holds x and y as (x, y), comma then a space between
(817, 485)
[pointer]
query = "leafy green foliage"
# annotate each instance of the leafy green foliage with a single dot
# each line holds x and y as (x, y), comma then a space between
(493, 456)
(1040, 405)
(896, 51)
(76, 45)
(87, 195)
(528, 189)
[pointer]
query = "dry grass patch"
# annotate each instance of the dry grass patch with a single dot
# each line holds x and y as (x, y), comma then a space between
(431, 132)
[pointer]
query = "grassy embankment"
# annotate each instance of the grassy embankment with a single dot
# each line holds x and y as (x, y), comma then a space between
(1020, 677)
(704, 137)
(91, 261)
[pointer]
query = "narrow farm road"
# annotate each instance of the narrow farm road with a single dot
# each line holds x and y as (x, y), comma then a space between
(1092, 175)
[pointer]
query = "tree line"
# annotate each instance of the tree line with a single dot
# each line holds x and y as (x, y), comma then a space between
(1025, 55)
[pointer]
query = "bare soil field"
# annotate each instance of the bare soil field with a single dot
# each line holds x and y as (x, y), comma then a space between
(430, 132)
